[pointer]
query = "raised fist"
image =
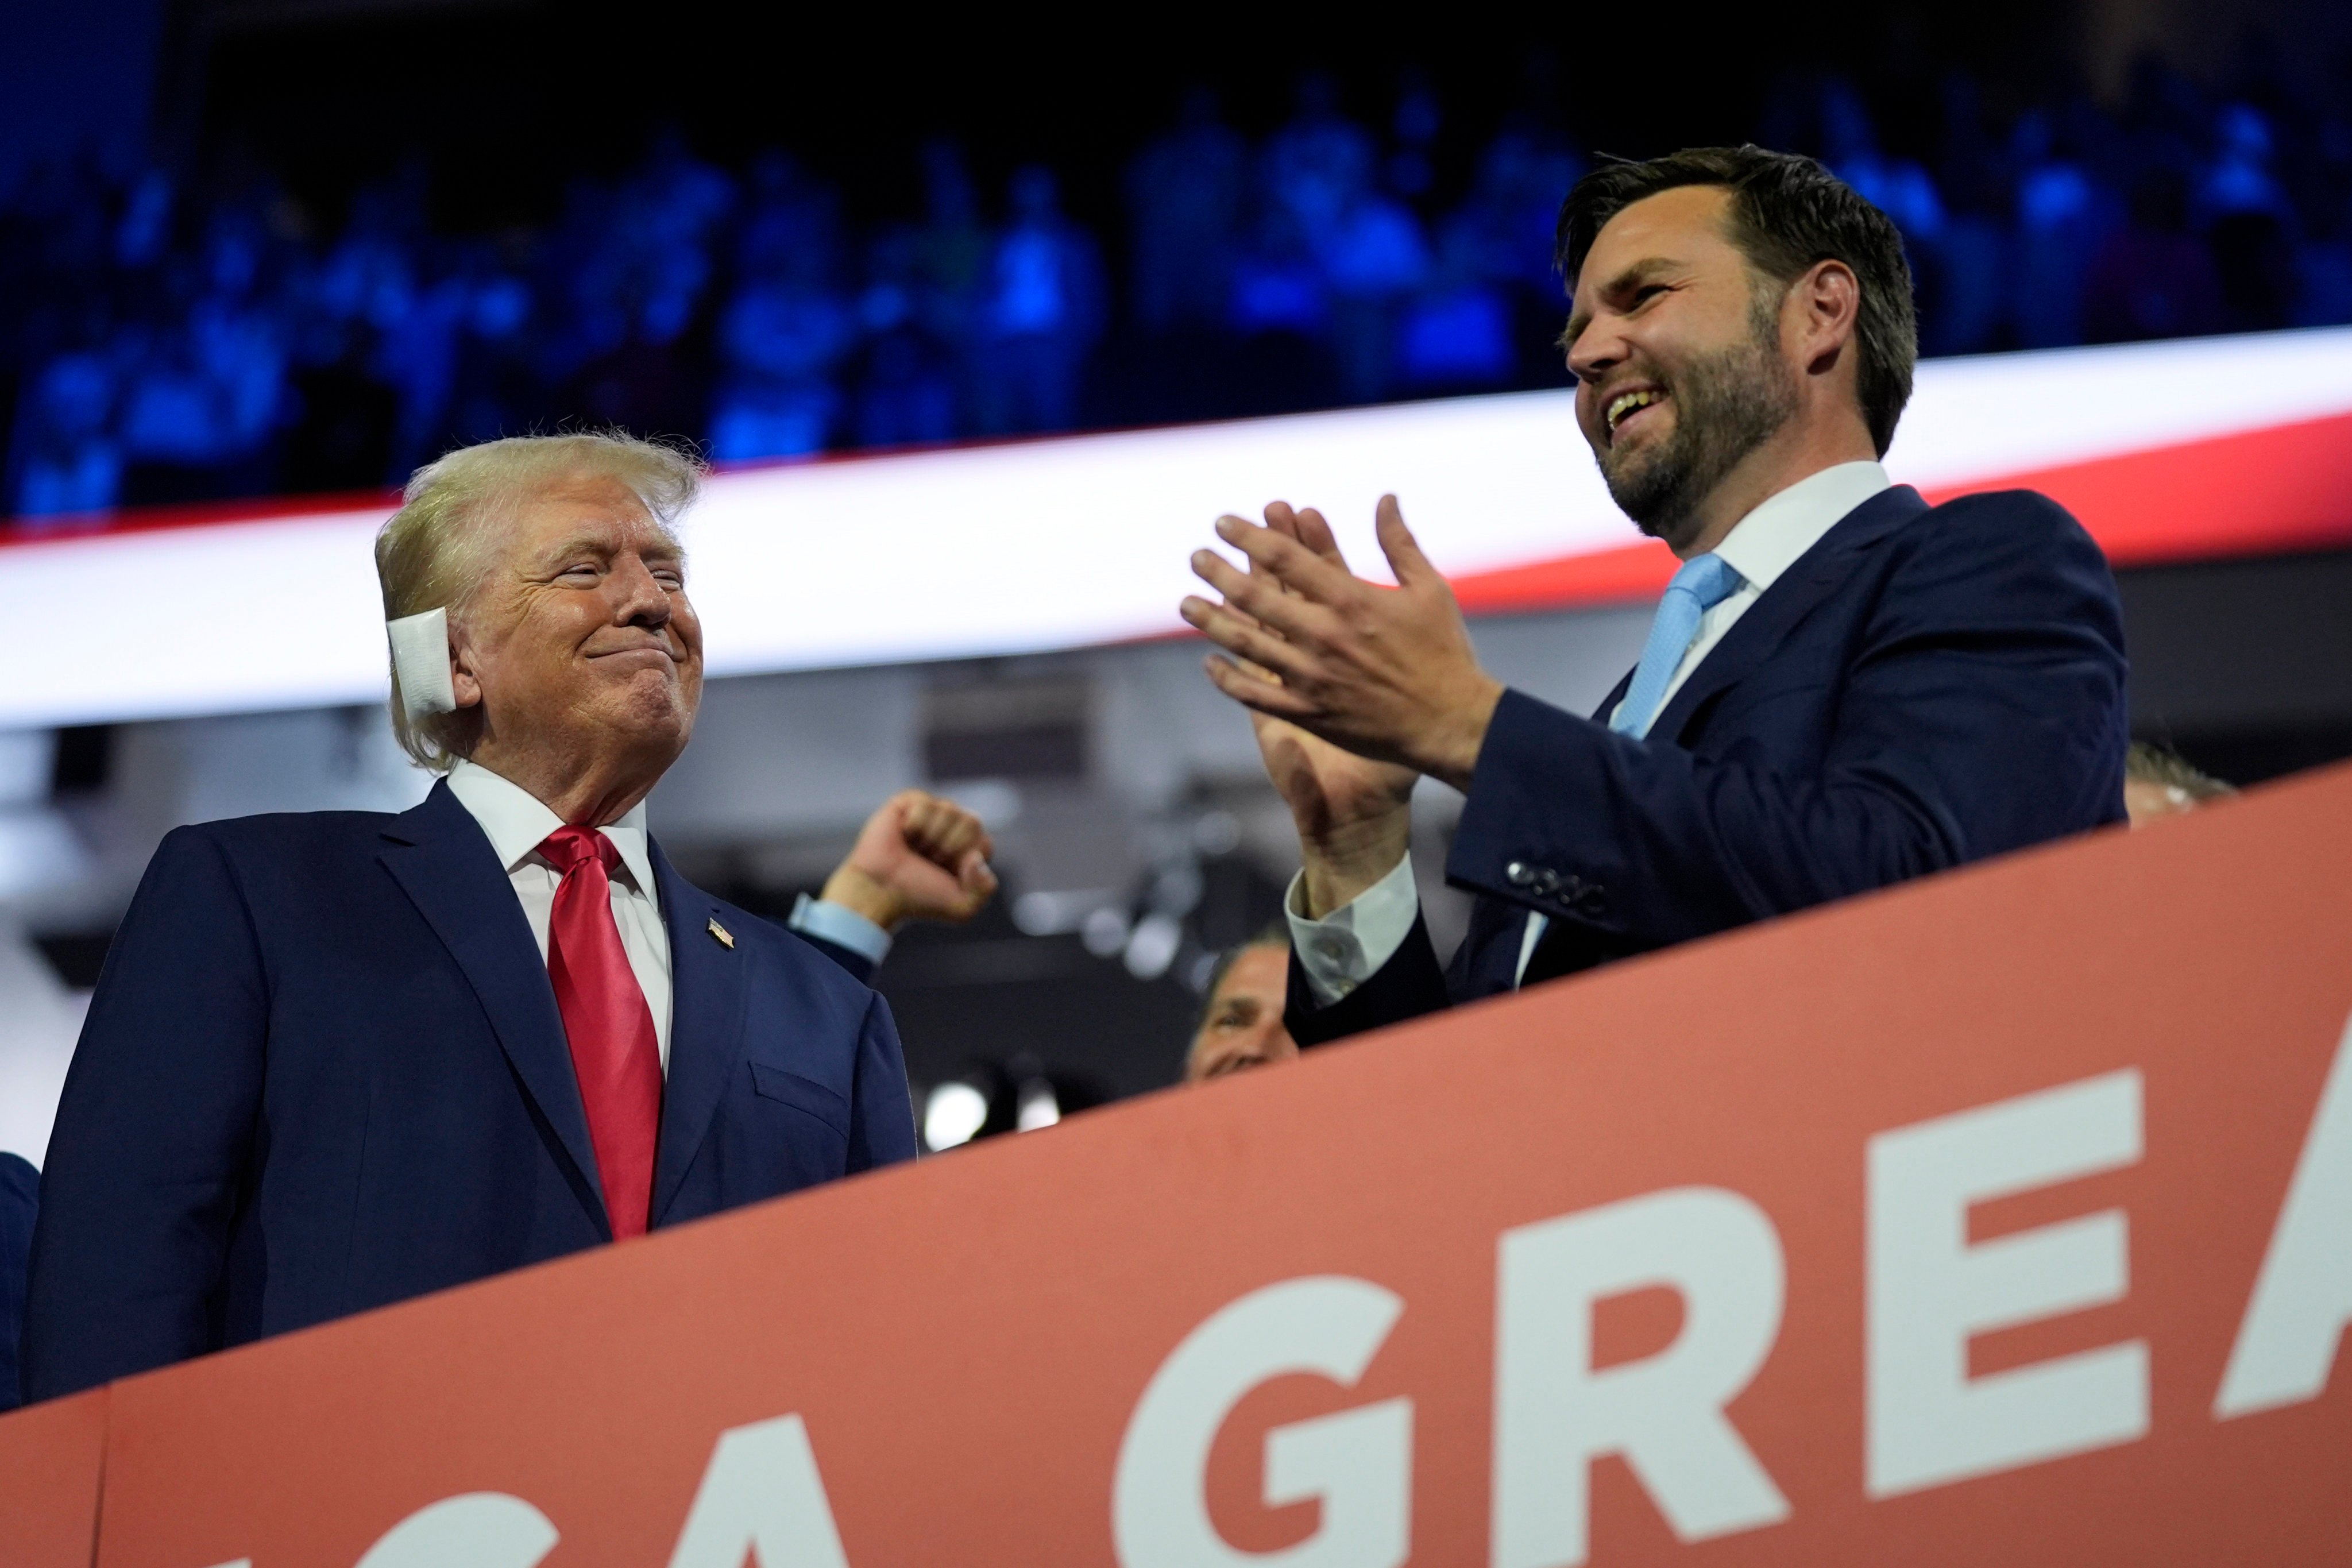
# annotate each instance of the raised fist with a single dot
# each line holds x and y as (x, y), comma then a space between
(919, 856)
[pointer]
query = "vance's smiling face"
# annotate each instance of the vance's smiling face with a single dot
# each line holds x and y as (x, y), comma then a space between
(582, 633)
(1678, 354)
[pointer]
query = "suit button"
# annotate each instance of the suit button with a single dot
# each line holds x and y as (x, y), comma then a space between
(1519, 873)
(1593, 899)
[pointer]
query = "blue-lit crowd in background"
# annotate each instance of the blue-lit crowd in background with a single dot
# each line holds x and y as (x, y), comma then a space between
(172, 342)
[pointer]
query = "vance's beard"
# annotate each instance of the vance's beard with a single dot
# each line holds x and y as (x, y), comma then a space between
(1726, 406)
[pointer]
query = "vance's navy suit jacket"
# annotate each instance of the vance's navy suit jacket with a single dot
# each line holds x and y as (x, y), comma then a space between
(1926, 685)
(324, 1070)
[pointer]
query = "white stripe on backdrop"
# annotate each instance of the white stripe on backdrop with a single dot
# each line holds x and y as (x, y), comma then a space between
(1050, 543)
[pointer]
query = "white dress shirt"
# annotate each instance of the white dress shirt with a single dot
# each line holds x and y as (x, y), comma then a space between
(1346, 947)
(518, 824)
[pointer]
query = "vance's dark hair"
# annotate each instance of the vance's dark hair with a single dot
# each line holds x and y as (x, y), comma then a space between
(1787, 212)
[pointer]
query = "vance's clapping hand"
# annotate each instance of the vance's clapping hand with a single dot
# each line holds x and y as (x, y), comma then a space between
(1355, 689)
(1386, 673)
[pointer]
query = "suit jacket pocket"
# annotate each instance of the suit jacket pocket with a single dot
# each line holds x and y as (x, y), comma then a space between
(802, 1094)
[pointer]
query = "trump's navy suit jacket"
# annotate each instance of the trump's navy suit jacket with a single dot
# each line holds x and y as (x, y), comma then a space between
(1926, 685)
(20, 1199)
(324, 1070)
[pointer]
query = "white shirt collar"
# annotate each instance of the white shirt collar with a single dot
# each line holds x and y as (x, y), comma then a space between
(518, 822)
(1769, 541)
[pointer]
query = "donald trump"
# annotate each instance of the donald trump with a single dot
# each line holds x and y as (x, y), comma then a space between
(340, 1058)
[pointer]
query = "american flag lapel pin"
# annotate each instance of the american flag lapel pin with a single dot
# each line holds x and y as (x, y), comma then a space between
(726, 938)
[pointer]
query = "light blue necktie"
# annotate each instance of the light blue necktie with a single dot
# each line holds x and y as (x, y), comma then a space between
(1703, 582)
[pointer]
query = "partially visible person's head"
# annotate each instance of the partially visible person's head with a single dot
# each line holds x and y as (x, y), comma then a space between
(1716, 294)
(565, 588)
(2157, 783)
(1241, 1027)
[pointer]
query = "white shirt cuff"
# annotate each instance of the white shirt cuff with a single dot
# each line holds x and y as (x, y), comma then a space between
(1348, 946)
(842, 926)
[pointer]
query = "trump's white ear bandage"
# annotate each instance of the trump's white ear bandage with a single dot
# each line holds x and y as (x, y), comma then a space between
(420, 658)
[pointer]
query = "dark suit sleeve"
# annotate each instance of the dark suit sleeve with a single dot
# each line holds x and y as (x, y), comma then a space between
(882, 1116)
(20, 1197)
(860, 967)
(1980, 710)
(154, 1133)
(1407, 985)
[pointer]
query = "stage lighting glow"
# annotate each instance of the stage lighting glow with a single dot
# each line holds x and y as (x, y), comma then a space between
(1039, 1106)
(1152, 947)
(953, 1115)
(1103, 931)
(2167, 451)
(1217, 833)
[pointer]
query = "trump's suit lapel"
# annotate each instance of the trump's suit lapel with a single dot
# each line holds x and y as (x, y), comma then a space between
(1813, 577)
(440, 857)
(705, 1026)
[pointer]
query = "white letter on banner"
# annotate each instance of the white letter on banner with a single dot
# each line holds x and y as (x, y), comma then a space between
(478, 1530)
(760, 1497)
(1930, 1423)
(2303, 1296)
(1358, 1464)
(1554, 1413)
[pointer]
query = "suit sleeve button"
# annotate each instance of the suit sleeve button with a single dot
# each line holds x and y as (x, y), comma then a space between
(1519, 873)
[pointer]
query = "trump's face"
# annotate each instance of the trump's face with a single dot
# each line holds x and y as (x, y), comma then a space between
(581, 637)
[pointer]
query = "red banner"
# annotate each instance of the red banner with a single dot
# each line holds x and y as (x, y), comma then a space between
(2005, 1218)
(50, 1457)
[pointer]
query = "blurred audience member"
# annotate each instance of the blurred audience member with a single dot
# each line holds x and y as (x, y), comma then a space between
(20, 1198)
(2158, 782)
(787, 330)
(67, 456)
(907, 390)
(1501, 237)
(2153, 278)
(1241, 1023)
(950, 252)
(2061, 217)
(645, 268)
(1184, 195)
(1044, 311)
(1411, 171)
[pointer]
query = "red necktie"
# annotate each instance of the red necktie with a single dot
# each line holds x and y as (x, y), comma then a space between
(613, 1052)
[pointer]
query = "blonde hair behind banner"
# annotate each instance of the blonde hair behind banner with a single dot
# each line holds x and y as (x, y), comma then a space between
(436, 548)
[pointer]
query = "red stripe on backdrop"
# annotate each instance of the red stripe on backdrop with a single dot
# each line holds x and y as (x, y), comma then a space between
(1629, 572)
(194, 514)
(2286, 487)
(2263, 491)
